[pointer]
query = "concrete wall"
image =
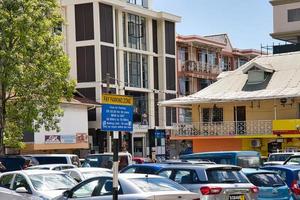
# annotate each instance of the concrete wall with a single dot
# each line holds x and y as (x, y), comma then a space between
(280, 18)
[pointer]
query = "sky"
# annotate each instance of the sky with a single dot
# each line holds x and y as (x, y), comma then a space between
(247, 22)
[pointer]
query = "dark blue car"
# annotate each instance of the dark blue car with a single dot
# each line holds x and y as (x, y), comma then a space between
(291, 175)
(147, 168)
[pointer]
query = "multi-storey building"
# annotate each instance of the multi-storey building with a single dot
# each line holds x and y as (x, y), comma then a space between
(201, 59)
(132, 46)
(255, 107)
(286, 25)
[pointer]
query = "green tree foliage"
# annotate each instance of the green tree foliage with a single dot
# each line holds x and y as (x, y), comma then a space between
(33, 68)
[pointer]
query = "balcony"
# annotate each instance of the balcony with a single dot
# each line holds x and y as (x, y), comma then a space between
(200, 70)
(286, 48)
(226, 128)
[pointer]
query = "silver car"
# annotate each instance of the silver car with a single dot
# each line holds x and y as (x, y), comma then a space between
(131, 187)
(212, 182)
(80, 174)
(11, 195)
(37, 184)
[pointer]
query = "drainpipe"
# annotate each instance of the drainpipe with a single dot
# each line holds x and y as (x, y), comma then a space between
(275, 109)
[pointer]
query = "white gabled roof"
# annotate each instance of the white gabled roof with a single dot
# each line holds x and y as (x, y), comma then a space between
(284, 83)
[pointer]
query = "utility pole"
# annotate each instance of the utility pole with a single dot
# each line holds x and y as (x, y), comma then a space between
(115, 151)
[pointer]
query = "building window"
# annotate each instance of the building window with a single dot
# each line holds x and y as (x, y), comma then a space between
(84, 22)
(212, 114)
(294, 15)
(136, 70)
(140, 104)
(185, 115)
(135, 30)
(138, 2)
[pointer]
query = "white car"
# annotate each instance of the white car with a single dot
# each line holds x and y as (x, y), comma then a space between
(37, 184)
(56, 167)
(80, 174)
(11, 195)
(279, 158)
(131, 187)
(56, 159)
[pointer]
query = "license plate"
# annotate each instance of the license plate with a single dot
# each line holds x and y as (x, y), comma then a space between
(237, 197)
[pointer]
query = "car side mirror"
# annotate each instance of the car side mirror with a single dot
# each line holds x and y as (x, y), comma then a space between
(68, 193)
(21, 190)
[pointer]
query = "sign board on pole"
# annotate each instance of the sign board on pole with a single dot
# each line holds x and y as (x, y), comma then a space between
(117, 113)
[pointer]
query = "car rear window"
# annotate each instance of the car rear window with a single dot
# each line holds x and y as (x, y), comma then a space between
(248, 161)
(225, 176)
(279, 157)
(12, 164)
(266, 180)
(51, 160)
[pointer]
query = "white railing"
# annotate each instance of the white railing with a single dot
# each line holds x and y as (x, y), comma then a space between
(197, 66)
(226, 128)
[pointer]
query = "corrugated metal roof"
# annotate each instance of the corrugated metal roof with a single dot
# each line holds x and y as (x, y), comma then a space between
(284, 83)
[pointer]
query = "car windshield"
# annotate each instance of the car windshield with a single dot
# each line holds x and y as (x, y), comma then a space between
(87, 175)
(225, 176)
(44, 182)
(156, 184)
(279, 157)
(293, 161)
(266, 180)
(104, 161)
(248, 161)
(51, 160)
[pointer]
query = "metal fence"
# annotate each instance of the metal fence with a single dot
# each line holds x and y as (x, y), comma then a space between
(227, 128)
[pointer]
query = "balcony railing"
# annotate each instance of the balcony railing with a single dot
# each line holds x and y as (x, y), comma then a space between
(226, 128)
(197, 66)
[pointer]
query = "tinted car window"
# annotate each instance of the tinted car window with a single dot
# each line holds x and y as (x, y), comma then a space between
(145, 170)
(266, 180)
(186, 177)
(248, 161)
(51, 160)
(279, 157)
(105, 161)
(5, 180)
(165, 173)
(13, 163)
(225, 176)
(20, 181)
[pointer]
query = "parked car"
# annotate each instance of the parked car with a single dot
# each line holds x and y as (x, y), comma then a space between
(56, 167)
(279, 158)
(292, 160)
(147, 168)
(105, 160)
(212, 182)
(291, 176)
(56, 159)
(80, 174)
(16, 162)
(10, 194)
(45, 184)
(245, 159)
(132, 187)
(269, 183)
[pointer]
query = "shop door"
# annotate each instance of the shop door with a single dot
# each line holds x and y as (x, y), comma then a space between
(240, 120)
(138, 147)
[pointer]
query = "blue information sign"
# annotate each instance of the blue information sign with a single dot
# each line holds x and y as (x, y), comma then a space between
(117, 118)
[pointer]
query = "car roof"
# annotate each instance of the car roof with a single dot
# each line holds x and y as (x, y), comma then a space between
(288, 167)
(108, 154)
(88, 169)
(209, 166)
(33, 172)
(56, 155)
(279, 153)
(256, 171)
(51, 165)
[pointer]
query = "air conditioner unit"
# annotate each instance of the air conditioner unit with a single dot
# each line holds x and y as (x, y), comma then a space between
(255, 143)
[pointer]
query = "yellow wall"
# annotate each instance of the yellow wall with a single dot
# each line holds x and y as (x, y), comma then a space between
(255, 110)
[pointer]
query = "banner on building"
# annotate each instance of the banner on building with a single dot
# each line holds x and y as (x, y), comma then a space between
(52, 139)
(68, 139)
(81, 138)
